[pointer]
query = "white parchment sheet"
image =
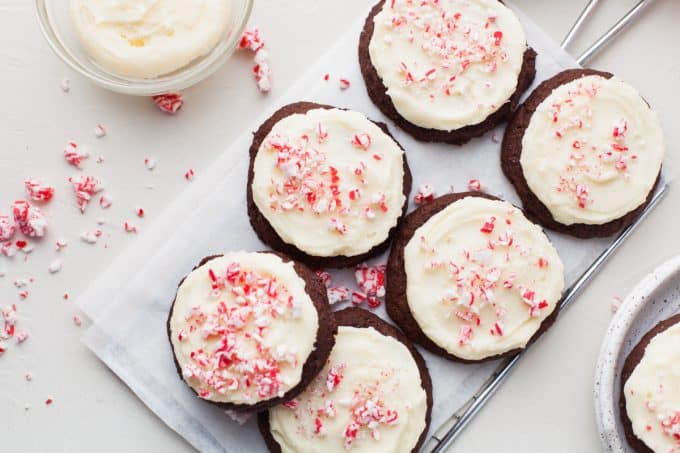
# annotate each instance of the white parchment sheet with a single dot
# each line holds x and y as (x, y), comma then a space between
(130, 301)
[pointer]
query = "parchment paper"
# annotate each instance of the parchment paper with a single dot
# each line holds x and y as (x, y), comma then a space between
(130, 302)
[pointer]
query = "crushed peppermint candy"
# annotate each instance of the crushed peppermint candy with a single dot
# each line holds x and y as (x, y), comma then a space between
(37, 191)
(55, 266)
(262, 71)
(150, 163)
(252, 41)
(85, 188)
(7, 228)
(77, 321)
(60, 244)
(30, 220)
(371, 283)
(99, 131)
(475, 185)
(425, 194)
(8, 326)
(344, 84)
(90, 237)
(189, 175)
(169, 103)
(129, 227)
(338, 294)
(105, 202)
(74, 155)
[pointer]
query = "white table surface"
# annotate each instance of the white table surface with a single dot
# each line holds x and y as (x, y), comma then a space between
(546, 405)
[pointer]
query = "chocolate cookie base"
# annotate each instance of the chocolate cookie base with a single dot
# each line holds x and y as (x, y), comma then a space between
(377, 91)
(264, 229)
(629, 366)
(396, 301)
(325, 339)
(357, 317)
(511, 153)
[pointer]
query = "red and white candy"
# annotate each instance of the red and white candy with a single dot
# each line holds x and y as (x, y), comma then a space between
(31, 221)
(169, 103)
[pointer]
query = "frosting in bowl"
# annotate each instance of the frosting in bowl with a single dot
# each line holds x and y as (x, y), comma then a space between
(149, 38)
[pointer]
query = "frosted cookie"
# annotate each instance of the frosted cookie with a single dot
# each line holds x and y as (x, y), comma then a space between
(446, 70)
(374, 395)
(471, 279)
(584, 153)
(250, 330)
(326, 186)
(650, 391)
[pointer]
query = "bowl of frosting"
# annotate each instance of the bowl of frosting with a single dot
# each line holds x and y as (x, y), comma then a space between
(144, 47)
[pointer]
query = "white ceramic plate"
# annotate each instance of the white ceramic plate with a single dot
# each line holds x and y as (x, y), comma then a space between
(655, 298)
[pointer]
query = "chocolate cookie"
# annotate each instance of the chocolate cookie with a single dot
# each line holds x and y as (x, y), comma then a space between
(629, 366)
(227, 329)
(397, 301)
(351, 212)
(362, 319)
(511, 155)
(378, 90)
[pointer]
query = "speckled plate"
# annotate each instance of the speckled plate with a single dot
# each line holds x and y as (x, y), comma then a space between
(655, 298)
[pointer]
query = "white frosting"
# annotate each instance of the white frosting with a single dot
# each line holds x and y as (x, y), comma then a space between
(447, 64)
(249, 331)
(592, 151)
(293, 184)
(149, 38)
(653, 393)
(471, 270)
(367, 374)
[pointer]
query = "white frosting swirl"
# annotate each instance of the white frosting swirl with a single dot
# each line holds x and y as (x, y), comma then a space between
(592, 151)
(330, 182)
(231, 328)
(447, 64)
(652, 393)
(368, 398)
(149, 38)
(481, 278)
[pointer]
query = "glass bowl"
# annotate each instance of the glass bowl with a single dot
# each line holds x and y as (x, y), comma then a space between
(55, 23)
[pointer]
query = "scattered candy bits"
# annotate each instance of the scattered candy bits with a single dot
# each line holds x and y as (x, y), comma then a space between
(475, 185)
(8, 331)
(252, 41)
(99, 131)
(37, 191)
(371, 282)
(169, 103)
(7, 228)
(425, 194)
(85, 187)
(74, 155)
(30, 220)
(55, 266)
